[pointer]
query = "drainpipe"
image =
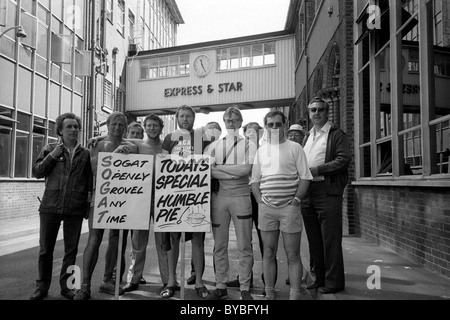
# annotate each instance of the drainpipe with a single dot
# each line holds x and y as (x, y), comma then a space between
(114, 90)
(91, 108)
(305, 34)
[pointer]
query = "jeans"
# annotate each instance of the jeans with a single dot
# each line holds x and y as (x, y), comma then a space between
(49, 227)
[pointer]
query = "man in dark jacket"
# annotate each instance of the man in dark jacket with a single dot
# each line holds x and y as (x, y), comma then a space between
(66, 167)
(328, 153)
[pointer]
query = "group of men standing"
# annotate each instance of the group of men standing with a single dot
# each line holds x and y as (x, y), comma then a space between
(285, 183)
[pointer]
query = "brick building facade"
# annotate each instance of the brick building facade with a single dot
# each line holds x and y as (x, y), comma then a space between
(399, 180)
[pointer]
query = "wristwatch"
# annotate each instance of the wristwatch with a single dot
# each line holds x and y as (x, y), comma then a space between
(297, 199)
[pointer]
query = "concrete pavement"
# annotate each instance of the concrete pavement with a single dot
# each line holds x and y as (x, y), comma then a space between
(398, 278)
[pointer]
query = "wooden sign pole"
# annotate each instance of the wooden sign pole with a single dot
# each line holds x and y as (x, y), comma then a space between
(183, 250)
(119, 261)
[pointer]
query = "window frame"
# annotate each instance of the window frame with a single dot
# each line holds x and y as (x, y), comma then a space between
(428, 176)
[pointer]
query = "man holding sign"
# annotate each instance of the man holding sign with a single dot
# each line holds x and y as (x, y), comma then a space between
(185, 142)
(117, 124)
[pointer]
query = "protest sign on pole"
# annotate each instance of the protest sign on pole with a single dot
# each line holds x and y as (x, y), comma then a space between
(123, 191)
(182, 193)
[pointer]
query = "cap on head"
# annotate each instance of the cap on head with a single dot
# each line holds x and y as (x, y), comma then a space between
(295, 127)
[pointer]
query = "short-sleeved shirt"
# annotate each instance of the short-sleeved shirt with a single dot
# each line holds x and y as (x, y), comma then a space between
(181, 142)
(242, 153)
(278, 168)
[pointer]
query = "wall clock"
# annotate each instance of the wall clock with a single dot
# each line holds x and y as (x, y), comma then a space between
(202, 65)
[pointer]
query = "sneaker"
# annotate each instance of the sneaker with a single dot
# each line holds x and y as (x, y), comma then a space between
(245, 295)
(83, 294)
(39, 294)
(218, 294)
(110, 288)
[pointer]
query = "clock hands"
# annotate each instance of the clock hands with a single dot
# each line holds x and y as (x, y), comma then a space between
(201, 62)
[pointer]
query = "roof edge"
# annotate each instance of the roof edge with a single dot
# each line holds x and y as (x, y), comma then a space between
(217, 42)
(175, 11)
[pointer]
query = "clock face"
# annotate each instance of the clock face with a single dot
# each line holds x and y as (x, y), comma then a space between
(202, 65)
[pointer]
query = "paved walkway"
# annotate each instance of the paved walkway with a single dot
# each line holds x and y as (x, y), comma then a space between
(400, 279)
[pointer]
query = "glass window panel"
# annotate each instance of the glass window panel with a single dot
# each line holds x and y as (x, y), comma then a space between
(5, 149)
(441, 148)
(67, 79)
(21, 160)
(29, 6)
(410, 76)
(385, 93)
(25, 56)
(366, 105)
(55, 71)
(52, 131)
(38, 145)
(56, 25)
(42, 40)
(412, 152)
(6, 84)
(66, 104)
(57, 8)
(441, 57)
(384, 158)
(77, 105)
(24, 102)
(41, 65)
(234, 58)
(24, 121)
(40, 96)
(246, 54)
(77, 85)
(53, 102)
(410, 6)
(257, 52)
(45, 3)
(7, 47)
(269, 53)
(43, 15)
(366, 161)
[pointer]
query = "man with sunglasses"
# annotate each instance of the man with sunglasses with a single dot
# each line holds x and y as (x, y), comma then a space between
(328, 152)
(280, 179)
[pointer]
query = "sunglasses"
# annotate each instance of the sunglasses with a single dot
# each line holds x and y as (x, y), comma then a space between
(314, 110)
(274, 125)
(232, 121)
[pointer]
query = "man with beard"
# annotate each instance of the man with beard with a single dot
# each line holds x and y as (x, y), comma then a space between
(185, 142)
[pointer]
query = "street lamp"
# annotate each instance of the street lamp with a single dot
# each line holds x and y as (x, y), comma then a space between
(20, 32)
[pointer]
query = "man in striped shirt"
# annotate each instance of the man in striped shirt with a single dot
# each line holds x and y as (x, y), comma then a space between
(280, 179)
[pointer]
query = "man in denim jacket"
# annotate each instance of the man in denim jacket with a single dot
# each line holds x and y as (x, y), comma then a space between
(66, 167)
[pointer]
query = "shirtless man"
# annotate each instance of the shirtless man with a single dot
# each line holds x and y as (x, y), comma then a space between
(117, 124)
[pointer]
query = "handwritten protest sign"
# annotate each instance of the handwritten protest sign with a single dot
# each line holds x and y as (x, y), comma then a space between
(123, 191)
(182, 193)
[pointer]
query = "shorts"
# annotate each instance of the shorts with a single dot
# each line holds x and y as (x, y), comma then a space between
(287, 219)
